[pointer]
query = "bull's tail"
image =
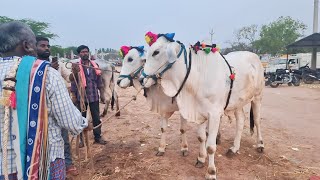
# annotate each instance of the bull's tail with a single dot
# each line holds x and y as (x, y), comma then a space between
(112, 100)
(251, 121)
(112, 84)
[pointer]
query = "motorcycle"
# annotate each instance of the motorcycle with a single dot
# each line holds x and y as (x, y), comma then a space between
(309, 75)
(284, 76)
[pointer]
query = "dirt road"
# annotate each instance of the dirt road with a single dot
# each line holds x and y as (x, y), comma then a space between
(291, 132)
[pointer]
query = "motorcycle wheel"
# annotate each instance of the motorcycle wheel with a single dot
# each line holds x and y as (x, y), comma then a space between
(290, 84)
(308, 80)
(274, 85)
(296, 82)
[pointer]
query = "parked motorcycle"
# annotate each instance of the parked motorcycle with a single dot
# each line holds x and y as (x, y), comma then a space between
(284, 76)
(309, 75)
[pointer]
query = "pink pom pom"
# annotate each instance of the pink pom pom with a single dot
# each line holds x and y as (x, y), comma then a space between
(153, 37)
(125, 50)
(214, 50)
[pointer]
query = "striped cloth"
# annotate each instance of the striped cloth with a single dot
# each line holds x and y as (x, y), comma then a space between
(62, 114)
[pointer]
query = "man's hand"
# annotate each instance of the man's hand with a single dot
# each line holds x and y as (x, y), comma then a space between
(55, 65)
(89, 128)
(75, 68)
(74, 98)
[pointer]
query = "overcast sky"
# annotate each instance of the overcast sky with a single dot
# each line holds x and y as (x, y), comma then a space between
(107, 23)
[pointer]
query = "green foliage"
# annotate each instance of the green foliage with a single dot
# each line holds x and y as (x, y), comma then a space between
(39, 28)
(272, 38)
(56, 49)
(277, 35)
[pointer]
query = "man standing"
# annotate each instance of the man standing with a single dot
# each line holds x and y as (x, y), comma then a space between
(88, 76)
(43, 51)
(34, 106)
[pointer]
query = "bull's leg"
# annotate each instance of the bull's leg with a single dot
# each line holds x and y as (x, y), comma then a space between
(202, 139)
(164, 125)
(240, 117)
(117, 103)
(256, 108)
(184, 143)
(105, 109)
(218, 140)
(214, 122)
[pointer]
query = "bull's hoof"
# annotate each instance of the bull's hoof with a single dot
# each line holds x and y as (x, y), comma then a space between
(199, 164)
(211, 177)
(160, 153)
(260, 149)
(118, 114)
(230, 153)
(103, 114)
(184, 153)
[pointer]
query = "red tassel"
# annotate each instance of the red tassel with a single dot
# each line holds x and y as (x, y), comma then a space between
(13, 100)
(232, 76)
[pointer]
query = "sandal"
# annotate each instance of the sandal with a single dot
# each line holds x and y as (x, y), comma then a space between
(72, 170)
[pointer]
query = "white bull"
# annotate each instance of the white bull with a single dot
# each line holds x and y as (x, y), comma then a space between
(205, 92)
(157, 101)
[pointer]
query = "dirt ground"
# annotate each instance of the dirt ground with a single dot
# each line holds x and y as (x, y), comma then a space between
(290, 127)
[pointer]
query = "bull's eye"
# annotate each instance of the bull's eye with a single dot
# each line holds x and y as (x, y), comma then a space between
(155, 53)
(130, 59)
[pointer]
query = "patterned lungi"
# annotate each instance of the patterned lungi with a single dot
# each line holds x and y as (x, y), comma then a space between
(58, 170)
(11, 177)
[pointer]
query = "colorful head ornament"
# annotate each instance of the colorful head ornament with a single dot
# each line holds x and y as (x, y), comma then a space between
(152, 38)
(140, 49)
(124, 50)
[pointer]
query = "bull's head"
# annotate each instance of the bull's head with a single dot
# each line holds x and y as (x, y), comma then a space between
(163, 51)
(133, 61)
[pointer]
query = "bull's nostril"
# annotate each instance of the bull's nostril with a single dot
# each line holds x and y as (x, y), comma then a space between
(141, 81)
(118, 82)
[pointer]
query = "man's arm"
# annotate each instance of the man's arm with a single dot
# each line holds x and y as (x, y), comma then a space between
(66, 114)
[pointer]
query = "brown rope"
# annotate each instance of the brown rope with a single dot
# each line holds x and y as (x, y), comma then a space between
(132, 99)
(90, 67)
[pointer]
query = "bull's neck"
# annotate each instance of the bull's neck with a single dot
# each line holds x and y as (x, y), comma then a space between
(173, 78)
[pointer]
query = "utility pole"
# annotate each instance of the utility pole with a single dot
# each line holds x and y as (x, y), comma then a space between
(315, 30)
(211, 35)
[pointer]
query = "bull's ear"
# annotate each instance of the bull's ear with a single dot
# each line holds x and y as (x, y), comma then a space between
(172, 52)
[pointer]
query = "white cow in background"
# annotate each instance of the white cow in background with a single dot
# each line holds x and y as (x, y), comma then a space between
(204, 95)
(109, 78)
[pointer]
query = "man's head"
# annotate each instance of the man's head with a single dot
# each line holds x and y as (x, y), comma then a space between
(17, 39)
(43, 48)
(83, 52)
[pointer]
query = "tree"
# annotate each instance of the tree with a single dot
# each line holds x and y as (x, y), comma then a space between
(39, 28)
(275, 36)
(56, 49)
(245, 38)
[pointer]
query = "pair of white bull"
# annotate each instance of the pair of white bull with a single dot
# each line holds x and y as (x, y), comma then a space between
(204, 95)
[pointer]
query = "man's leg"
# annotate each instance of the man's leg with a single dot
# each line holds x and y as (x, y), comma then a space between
(94, 108)
(70, 168)
(67, 149)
